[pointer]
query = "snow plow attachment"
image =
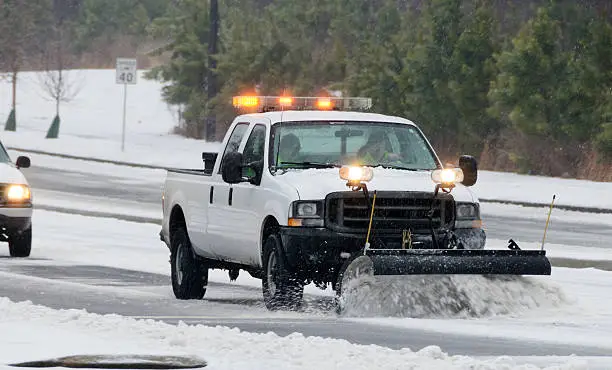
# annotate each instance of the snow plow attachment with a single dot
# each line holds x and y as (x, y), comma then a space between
(458, 261)
(399, 262)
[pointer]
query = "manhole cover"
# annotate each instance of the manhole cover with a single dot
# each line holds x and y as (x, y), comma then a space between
(119, 362)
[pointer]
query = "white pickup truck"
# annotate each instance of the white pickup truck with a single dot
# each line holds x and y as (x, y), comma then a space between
(273, 203)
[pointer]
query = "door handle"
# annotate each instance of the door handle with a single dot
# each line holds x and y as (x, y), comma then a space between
(231, 193)
(210, 195)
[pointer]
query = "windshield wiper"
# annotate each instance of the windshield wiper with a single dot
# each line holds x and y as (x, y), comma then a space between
(400, 167)
(312, 164)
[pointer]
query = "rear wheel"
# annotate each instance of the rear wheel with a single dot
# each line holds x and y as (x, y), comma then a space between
(189, 276)
(20, 245)
(281, 288)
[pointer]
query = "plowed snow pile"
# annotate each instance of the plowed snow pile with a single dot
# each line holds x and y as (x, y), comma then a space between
(439, 296)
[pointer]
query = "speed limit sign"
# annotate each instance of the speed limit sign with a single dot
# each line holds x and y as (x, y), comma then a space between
(126, 71)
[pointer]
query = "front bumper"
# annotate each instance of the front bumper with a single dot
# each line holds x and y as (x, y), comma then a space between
(318, 253)
(16, 211)
(13, 225)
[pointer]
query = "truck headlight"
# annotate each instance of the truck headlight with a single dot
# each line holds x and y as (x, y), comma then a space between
(306, 209)
(468, 216)
(18, 193)
(356, 173)
(447, 177)
(467, 211)
(306, 213)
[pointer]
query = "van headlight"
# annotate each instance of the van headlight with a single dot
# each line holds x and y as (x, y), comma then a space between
(18, 193)
(306, 213)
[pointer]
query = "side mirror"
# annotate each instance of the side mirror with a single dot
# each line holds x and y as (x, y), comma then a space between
(231, 168)
(22, 162)
(469, 166)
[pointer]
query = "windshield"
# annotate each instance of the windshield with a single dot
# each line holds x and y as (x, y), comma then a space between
(328, 144)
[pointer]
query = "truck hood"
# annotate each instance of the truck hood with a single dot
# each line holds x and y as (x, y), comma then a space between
(317, 183)
(9, 174)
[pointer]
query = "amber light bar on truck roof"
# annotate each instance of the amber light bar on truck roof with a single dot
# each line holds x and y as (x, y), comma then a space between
(254, 103)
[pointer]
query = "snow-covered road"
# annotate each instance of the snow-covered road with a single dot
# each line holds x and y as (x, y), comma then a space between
(562, 303)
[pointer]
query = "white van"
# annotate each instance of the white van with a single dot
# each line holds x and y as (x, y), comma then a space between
(15, 205)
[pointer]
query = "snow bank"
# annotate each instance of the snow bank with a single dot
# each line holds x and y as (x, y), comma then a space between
(540, 189)
(26, 330)
(92, 122)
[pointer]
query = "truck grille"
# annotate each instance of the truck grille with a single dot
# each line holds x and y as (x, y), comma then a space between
(394, 212)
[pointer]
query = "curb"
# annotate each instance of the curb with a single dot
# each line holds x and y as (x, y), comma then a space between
(118, 216)
(483, 200)
(544, 205)
(89, 159)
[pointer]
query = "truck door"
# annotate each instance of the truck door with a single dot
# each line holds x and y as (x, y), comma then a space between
(241, 244)
(221, 221)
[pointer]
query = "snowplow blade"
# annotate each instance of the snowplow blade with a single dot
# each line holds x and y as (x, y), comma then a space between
(458, 261)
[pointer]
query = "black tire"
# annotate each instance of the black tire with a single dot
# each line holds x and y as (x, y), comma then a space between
(472, 238)
(189, 276)
(281, 288)
(20, 245)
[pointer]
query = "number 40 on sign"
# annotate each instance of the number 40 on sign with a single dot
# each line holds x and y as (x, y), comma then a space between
(126, 71)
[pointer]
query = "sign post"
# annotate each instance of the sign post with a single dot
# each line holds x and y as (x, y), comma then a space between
(126, 75)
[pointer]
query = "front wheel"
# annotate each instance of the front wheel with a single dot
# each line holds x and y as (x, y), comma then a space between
(189, 276)
(20, 245)
(281, 288)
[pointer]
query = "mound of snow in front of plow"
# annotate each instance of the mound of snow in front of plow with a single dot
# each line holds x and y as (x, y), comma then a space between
(447, 296)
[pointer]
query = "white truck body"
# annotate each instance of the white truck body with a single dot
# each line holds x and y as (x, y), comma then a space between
(233, 233)
(291, 199)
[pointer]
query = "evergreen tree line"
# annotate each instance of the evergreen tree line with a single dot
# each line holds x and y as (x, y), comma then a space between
(522, 84)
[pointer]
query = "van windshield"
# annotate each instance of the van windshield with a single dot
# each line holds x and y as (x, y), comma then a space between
(4, 157)
(329, 144)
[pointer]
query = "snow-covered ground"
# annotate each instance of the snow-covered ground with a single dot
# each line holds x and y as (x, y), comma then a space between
(79, 332)
(567, 307)
(92, 122)
(91, 127)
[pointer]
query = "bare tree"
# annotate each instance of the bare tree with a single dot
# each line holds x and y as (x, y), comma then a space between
(59, 81)
(21, 25)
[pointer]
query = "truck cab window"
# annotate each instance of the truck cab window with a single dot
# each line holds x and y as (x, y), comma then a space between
(254, 148)
(254, 152)
(234, 141)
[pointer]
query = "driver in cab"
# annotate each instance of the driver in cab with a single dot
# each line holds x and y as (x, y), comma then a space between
(377, 150)
(289, 149)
